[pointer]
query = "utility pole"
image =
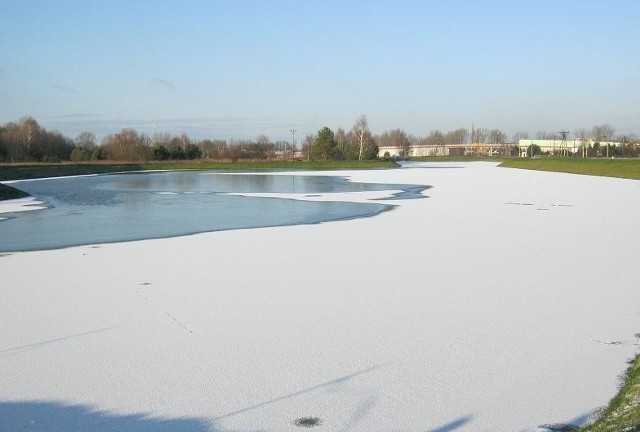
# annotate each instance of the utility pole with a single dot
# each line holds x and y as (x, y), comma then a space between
(293, 141)
(563, 143)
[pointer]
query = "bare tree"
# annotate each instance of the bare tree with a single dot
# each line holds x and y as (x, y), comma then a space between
(212, 149)
(86, 141)
(128, 145)
(264, 146)
(29, 132)
(362, 135)
(581, 133)
(496, 136)
(436, 138)
(85, 148)
(26, 141)
(480, 135)
(341, 139)
(263, 140)
(307, 146)
(458, 136)
(602, 133)
(543, 135)
(184, 141)
(519, 136)
(397, 138)
(162, 138)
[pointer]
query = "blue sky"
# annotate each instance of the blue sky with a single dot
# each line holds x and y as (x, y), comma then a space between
(236, 69)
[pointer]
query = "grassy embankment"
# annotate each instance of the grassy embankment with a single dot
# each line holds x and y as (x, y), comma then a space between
(623, 411)
(623, 168)
(42, 170)
(7, 192)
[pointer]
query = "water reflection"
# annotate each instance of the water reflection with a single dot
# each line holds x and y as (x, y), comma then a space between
(112, 208)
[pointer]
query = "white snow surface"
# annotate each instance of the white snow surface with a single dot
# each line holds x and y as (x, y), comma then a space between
(495, 304)
(20, 205)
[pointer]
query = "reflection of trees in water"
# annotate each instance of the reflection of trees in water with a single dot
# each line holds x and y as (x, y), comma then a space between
(108, 189)
(127, 207)
(244, 183)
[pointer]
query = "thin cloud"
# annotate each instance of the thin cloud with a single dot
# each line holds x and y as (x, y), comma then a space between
(222, 127)
(76, 116)
(65, 89)
(230, 126)
(164, 83)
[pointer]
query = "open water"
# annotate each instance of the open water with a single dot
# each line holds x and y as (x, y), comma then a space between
(124, 207)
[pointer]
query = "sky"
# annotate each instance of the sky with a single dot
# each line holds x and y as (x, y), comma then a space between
(237, 69)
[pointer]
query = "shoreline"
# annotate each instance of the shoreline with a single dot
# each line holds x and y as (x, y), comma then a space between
(458, 310)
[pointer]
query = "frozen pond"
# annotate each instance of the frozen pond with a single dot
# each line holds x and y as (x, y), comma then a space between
(505, 301)
(124, 207)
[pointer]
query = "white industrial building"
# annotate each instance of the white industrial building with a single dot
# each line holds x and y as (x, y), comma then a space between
(475, 149)
(556, 147)
(559, 147)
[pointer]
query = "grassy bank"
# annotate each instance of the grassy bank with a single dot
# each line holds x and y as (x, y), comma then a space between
(273, 165)
(623, 168)
(7, 192)
(623, 412)
(31, 171)
(455, 159)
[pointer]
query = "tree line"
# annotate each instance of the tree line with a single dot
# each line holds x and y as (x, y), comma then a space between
(27, 141)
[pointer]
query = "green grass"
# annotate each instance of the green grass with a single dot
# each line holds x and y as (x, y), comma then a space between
(7, 192)
(271, 165)
(622, 168)
(31, 171)
(623, 412)
(455, 159)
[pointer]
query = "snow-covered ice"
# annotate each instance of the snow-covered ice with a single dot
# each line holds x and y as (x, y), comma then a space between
(20, 205)
(505, 300)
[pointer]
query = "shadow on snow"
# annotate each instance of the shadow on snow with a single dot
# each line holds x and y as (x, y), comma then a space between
(51, 416)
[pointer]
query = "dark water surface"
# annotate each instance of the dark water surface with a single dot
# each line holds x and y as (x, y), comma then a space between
(124, 207)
